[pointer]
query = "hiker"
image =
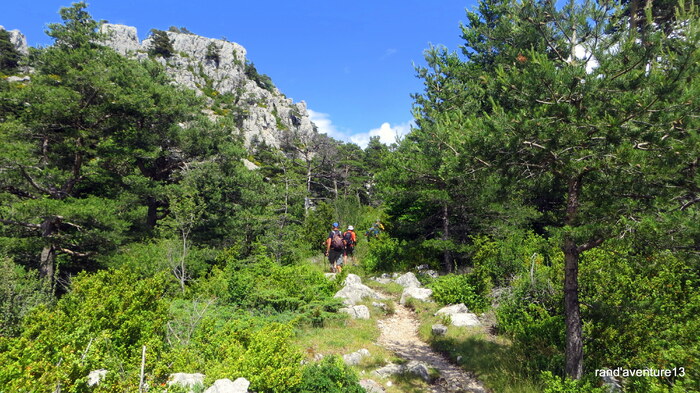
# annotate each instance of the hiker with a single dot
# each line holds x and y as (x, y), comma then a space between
(374, 230)
(335, 248)
(350, 240)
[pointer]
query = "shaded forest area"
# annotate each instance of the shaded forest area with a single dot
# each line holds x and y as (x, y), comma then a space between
(552, 176)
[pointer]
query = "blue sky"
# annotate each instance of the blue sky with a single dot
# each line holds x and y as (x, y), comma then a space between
(352, 62)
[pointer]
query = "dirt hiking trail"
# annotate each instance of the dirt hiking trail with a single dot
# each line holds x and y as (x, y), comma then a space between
(399, 333)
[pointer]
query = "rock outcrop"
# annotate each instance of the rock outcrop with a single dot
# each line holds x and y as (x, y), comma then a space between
(18, 40)
(214, 67)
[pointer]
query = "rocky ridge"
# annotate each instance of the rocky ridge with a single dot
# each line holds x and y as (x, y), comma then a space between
(214, 67)
(18, 40)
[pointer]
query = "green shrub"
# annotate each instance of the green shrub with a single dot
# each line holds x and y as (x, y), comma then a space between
(263, 81)
(102, 323)
(554, 384)
(386, 254)
(20, 291)
(264, 356)
(330, 375)
(497, 261)
(457, 288)
(646, 316)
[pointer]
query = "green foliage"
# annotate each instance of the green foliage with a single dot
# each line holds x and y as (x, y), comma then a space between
(262, 354)
(270, 363)
(263, 81)
(161, 45)
(386, 254)
(646, 317)
(457, 288)
(555, 384)
(20, 292)
(330, 375)
(317, 225)
(213, 53)
(78, 30)
(531, 313)
(266, 285)
(101, 323)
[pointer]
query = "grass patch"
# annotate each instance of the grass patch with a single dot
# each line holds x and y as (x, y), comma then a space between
(339, 338)
(391, 288)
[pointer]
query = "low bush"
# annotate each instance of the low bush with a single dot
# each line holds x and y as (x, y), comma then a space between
(330, 375)
(457, 288)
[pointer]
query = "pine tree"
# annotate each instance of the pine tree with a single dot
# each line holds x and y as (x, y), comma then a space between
(161, 44)
(570, 102)
(9, 55)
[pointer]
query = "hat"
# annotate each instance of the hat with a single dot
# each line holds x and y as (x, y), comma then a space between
(350, 227)
(336, 225)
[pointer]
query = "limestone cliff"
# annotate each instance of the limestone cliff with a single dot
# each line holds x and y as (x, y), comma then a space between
(215, 67)
(18, 40)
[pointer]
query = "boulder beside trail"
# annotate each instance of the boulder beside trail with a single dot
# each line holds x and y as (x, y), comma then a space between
(389, 370)
(459, 315)
(371, 386)
(356, 312)
(354, 291)
(408, 280)
(414, 367)
(240, 385)
(186, 380)
(352, 279)
(418, 368)
(439, 329)
(423, 294)
(465, 319)
(453, 309)
(353, 359)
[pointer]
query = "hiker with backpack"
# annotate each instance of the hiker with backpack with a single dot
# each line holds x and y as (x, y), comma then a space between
(350, 241)
(374, 230)
(335, 248)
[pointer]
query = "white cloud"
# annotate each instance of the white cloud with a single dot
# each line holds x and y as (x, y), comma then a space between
(324, 124)
(387, 133)
(388, 53)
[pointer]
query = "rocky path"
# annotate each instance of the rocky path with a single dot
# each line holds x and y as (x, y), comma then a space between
(399, 333)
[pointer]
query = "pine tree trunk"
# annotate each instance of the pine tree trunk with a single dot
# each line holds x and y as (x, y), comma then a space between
(47, 263)
(447, 257)
(572, 311)
(307, 198)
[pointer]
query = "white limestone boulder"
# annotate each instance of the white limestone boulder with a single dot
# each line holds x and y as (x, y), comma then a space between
(408, 280)
(423, 294)
(240, 385)
(353, 359)
(356, 312)
(452, 309)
